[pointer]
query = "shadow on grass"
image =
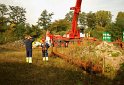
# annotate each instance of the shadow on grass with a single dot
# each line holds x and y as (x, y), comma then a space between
(29, 74)
(119, 79)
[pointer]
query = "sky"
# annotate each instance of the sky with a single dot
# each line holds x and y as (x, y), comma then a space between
(60, 7)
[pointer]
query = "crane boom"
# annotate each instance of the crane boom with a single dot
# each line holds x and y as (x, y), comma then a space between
(74, 32)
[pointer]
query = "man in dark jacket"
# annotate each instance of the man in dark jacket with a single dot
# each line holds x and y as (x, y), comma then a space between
(28, 44)
(45, 47)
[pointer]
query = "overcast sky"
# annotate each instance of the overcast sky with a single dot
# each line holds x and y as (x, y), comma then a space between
(61, 7)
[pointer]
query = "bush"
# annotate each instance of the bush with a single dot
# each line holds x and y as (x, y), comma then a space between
(2, 39)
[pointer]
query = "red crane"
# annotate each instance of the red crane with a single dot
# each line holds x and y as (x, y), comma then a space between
(74, 33)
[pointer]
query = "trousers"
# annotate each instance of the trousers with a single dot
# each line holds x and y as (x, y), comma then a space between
(44, 53)
(29, 52)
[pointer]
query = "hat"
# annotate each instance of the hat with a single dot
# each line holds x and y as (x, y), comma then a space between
(43, 40)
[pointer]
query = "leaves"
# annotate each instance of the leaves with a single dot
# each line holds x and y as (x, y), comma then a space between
(60, 26)
(17, 14)
(103, 18)
(3, 10)
(45, 19)
(91, 20)
(69, 16)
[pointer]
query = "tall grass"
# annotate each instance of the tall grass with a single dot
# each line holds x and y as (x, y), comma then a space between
(86, 52)
(15, 71)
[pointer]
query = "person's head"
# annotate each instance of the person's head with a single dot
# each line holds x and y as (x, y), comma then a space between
(43, 40)
(28, 37)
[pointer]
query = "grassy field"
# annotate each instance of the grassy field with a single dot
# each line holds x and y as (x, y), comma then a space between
(15, 71)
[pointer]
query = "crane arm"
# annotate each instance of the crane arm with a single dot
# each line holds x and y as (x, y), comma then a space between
(76, 9)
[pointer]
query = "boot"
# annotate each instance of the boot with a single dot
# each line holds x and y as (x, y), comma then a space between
(43, 58)
(30, 59)
(46, 58)
(27, 59)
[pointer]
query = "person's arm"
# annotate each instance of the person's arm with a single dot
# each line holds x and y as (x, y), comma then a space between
(32, 39)
(41, 45)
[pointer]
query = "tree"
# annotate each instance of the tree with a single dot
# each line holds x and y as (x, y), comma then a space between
(28, 29)
(116, 29)
(91, 20)
(60, 26)
(45, 19)
(120, 20)
(3, 18)
(36, 32)
(3, 24)
(69, 16)
(3, 10)
(103, 18)
(82, 21)
(19, 31)
(119, 25)
(32, 30)
(17, 14)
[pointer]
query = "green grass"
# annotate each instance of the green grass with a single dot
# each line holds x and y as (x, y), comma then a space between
(15, 71)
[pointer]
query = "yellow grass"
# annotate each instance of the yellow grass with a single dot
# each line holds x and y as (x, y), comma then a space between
(15, 71)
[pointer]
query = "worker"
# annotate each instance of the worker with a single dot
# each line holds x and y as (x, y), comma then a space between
(28, 44)
(45, 47)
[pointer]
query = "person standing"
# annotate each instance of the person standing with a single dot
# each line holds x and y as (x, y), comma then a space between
(28, 45)
(45, 47)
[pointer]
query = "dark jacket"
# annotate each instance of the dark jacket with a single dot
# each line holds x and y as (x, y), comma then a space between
(28, 43)
(45, 46)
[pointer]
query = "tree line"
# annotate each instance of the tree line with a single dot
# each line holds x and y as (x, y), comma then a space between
(13, 25)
